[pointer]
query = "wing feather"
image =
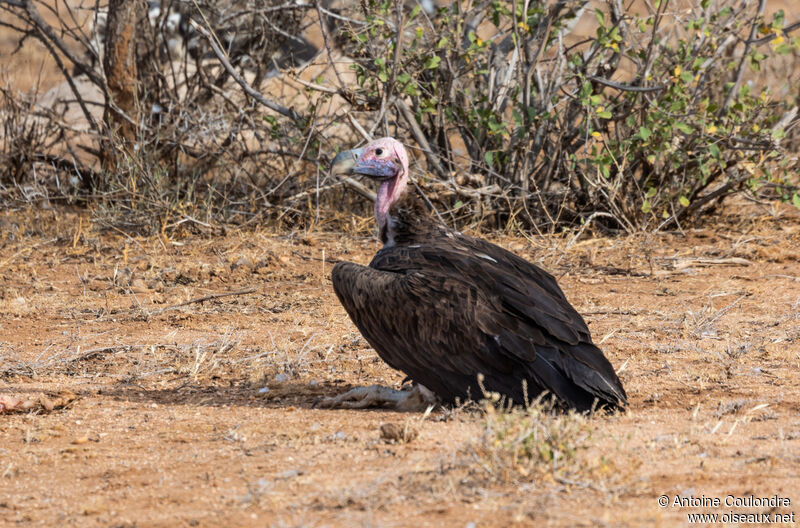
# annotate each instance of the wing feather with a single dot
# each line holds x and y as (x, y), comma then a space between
(443, 312)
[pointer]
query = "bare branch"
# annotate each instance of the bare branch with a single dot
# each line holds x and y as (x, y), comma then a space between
(419, 136)
(626, 87)
(255, 94)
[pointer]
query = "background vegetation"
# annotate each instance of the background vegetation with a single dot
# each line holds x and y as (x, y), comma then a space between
(523, 115)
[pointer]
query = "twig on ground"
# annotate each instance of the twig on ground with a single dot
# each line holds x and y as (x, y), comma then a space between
(203, 299)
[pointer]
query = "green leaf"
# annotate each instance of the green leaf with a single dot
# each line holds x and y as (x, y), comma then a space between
(605, 114)
(651, 192)
(644, 133)
(683, 127)
(411, 89)
(432, 62)
(489, 157)
(382, 76)
(646, 207)
(601, 19)
(714, 151)
(458, 205)
(684, 201)
(796, 200)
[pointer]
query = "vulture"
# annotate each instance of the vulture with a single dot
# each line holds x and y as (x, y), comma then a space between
(461, 317)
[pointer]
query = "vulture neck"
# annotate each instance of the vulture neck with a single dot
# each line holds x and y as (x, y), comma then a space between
(389, 192)
(405, 221)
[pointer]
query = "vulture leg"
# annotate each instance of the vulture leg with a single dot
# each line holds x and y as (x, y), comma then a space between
(417, 398)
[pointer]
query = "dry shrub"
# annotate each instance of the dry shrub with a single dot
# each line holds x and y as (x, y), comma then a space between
(647, 122)
(532, 442)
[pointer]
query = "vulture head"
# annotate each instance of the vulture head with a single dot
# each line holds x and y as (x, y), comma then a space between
(384, 160)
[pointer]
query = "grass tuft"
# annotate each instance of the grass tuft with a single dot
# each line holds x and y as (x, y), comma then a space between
(524, 443)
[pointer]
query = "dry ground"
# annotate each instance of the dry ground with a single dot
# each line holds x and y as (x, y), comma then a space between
(173, 424)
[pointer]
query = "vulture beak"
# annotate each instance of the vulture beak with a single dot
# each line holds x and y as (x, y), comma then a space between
(350, 162)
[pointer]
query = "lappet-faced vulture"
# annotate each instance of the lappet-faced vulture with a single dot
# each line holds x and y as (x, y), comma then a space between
(460, 316)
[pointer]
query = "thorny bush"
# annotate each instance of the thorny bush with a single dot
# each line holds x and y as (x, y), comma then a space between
(651, 120)
(648, 122)
(201, 149)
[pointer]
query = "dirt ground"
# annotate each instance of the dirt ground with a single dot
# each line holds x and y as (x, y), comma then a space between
(171, 411)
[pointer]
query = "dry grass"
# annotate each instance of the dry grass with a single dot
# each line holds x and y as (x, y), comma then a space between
(527, 443)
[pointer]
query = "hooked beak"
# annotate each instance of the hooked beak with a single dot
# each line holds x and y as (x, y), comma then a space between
(347, 162)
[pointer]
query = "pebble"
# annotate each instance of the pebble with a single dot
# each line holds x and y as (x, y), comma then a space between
(242, 262)
(263, 390)
(392, 432)
(290, 473)
(139, 286)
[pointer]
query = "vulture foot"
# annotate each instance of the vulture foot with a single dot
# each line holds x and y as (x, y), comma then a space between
(417, 398)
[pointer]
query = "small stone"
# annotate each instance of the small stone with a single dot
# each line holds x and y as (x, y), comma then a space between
(98, 285)
(169, 275)
(392, 432)
(81, 440)
(263, 390)
(242, 262)
(281, 378)
(47, 403)
(139, 286)
(123, 277)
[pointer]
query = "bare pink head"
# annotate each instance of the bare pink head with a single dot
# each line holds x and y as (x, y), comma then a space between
(383, 159)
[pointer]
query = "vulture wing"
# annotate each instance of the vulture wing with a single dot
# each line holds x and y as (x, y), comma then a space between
(445, 312)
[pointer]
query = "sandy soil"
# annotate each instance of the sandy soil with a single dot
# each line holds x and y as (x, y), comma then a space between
(201, 413)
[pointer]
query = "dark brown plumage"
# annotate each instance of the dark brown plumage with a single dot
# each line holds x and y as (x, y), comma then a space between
(445, 308)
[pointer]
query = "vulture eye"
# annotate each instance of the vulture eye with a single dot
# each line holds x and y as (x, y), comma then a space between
(379, 152)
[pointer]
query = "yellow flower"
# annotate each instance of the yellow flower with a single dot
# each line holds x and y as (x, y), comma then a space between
(712, 129)
(677, 70)
(597, 135)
